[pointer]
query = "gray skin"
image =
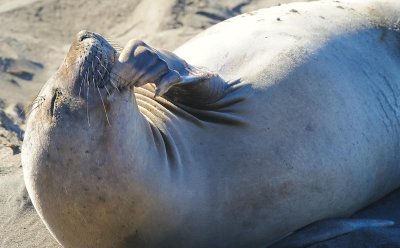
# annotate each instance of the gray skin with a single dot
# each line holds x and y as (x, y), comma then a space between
(294, 121)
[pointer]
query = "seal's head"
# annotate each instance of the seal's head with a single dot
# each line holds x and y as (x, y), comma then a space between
(80, 82)
(75, 146)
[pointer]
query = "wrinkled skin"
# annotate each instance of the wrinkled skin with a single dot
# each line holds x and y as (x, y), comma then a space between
(85, 110)
(143, 149)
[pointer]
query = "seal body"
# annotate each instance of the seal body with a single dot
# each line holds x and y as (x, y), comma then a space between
(314, 136)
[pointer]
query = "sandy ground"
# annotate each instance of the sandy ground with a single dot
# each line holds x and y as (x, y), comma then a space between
(34, 37)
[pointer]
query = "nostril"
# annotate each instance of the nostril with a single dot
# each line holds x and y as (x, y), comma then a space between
(82, 35)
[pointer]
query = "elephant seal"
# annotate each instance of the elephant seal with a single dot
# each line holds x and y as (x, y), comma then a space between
(295, 120)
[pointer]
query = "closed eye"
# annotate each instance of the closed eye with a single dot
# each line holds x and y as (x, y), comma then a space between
(56, 97)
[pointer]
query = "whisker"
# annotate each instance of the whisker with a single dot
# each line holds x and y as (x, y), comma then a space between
(102, 78)
(104, 106)
(87, 101)
(112, 83)
(114, 44)
(84, 80)
(102, 64)
(80, 87)
(35, 105)
(30, 111)
(93, 75)
(108, 92)
(109, 73)
(29, 108)
(103, 82)
(39, 98)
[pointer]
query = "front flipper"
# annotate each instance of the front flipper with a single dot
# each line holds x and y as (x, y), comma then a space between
(139, 64)
(327, 229)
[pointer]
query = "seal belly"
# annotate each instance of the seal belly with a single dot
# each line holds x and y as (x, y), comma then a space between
(321, 139)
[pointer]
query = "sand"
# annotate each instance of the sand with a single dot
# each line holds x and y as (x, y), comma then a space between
(35, 35)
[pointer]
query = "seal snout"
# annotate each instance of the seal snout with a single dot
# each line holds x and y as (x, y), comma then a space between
(83, 79)
(95, 57)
